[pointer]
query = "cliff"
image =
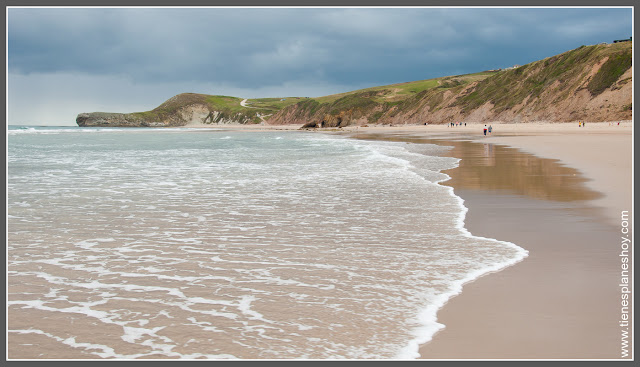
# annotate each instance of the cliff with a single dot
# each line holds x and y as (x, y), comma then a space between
(592, 83)
(180, 110)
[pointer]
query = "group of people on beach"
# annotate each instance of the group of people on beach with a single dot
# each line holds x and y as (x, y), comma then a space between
(453, 124)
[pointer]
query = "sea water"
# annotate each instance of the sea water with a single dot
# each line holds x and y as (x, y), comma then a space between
(186, 243)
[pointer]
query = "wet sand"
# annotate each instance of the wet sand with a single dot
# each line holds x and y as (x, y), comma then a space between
(562, 205)
(563, 300)
(560, 302)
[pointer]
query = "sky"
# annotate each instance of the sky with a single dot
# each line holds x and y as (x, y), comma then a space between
(65, 61)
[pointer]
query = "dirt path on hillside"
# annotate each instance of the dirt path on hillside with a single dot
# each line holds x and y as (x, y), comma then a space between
(243, 103)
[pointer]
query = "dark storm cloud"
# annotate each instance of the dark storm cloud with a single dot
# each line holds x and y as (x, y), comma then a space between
(63, 61)
(251, 48)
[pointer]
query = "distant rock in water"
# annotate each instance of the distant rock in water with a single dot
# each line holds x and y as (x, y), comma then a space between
(114, 119)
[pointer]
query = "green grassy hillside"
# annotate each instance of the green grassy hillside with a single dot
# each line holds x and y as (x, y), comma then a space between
(558, 88)
(562, 74)
(543, 89)
(228, 107)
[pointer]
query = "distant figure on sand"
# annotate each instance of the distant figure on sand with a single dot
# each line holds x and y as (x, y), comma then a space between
(485, 130)
(490, 128)
(579, 124)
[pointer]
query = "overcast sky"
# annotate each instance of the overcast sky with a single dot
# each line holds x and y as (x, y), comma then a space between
(64, 61)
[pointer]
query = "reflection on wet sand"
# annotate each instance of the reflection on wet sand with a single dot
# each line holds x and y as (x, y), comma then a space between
(491, 167)
(563, 291)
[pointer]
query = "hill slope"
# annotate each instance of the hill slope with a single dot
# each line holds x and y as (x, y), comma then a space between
(589, 83)
(180, 110)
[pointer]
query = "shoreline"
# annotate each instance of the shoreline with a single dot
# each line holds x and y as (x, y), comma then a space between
(518, 186)
(560, 302)
(598, 151)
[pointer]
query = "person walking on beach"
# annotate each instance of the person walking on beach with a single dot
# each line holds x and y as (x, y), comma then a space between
(485, 130)
(490, 128)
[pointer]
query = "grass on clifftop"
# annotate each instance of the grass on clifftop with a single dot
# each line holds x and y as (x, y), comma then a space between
(226, 105)
(394, 93)
(273, 104)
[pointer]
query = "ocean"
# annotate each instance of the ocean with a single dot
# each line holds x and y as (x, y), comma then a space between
(206, 243)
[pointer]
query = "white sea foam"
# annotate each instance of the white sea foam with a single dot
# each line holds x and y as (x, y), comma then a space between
(320, 247)
(56, 131)
(428, 315)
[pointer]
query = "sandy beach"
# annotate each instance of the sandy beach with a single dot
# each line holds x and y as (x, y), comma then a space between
(556, 190)
(600, 151)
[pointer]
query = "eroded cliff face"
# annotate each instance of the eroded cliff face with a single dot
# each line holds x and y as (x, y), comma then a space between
(615, 103)
(577, 104)
(591, 83)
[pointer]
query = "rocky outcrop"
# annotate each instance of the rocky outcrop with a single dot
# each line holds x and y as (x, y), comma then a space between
(181, 110)
(104, 119)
